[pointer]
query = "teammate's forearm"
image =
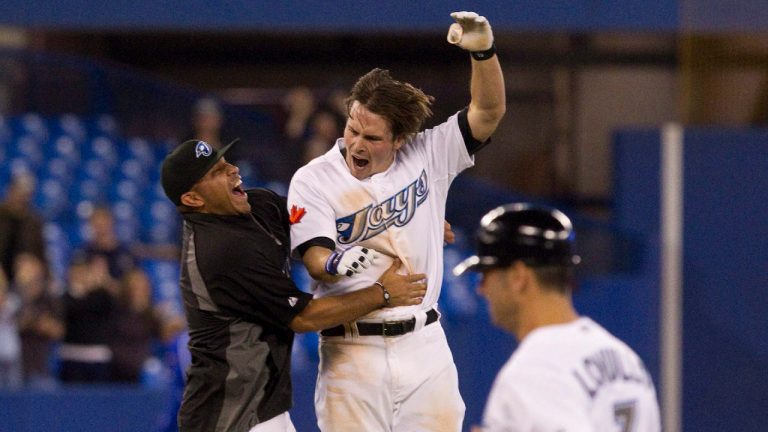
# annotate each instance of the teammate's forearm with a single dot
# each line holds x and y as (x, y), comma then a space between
(325, 312)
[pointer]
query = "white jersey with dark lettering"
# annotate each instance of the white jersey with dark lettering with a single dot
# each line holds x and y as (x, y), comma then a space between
(573, 377)
(399, 212)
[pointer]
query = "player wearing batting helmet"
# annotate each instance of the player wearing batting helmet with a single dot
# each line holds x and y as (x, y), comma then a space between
(568, 372)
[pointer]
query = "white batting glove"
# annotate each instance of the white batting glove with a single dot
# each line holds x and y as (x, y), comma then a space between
(351, 261)
(470, 31)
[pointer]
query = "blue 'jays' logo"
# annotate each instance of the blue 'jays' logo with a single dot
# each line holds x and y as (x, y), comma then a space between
(202, 149)
(398, 210)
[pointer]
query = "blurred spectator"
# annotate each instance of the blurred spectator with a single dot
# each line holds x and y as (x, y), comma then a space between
(324, 127)
(337, 101)
(10, 347)
(138, 325)
(40, 323)
(311, 126)
(207, 122)
(88, 316)
(299, 104)
(105, 245)
(21, 228)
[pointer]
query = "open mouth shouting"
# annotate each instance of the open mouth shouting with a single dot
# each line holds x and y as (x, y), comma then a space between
(359, 165)
(238, 191)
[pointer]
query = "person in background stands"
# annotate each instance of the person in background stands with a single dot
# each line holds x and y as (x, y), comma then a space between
(88, 316)
(40, 323)
(10, 346)
(138, 326)
(104, 245)
(21, 228)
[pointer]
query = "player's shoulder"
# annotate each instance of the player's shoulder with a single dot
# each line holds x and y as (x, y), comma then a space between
(437, 133)
(551, 346)
(321, 163)
(596, 335)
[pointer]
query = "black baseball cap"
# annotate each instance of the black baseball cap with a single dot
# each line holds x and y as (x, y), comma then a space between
(187, 164)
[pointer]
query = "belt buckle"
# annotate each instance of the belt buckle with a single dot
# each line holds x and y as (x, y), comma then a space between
(392, 328)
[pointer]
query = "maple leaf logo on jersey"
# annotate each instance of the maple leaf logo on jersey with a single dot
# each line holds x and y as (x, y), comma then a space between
(296, 214)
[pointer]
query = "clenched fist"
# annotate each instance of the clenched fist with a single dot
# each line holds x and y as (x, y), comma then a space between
(470, 31)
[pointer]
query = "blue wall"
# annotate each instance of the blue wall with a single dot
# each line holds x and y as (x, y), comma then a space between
(85, 409)
(343, 15)
(377, 15)
(725, 357)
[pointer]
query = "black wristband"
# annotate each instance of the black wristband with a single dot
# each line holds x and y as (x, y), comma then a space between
(484, 55)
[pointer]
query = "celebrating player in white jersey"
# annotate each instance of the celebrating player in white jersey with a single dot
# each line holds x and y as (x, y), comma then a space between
(568, 373)
(377, 195)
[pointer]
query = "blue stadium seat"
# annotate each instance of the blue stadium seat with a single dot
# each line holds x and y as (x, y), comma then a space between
(30, 124)
(164, 276)
(96, 169)
(141, 150)
(88, 189)
(51, 198)
(104, 124)
(160, 222)
(66, 148)
(104, 149)
(57, 169)
(69, 125)
(126, 189)
(28, 148)
(126, 221)
(136, 170)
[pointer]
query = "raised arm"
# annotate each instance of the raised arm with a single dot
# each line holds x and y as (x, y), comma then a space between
(472, 32)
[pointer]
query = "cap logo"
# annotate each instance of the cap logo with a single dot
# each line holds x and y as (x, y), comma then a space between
(202, 149)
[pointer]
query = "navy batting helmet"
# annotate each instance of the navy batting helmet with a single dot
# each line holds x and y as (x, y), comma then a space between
(536, 235)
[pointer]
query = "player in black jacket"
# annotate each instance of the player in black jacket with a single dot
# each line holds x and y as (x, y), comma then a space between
(241, 306)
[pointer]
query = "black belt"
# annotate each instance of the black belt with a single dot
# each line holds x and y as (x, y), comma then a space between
(387, 328)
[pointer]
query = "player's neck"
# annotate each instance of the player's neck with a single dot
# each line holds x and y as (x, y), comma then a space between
(550, 310)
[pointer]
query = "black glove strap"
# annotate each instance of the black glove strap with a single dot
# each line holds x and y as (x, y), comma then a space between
(484, 55)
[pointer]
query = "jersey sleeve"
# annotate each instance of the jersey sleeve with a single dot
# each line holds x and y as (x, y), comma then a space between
(317, 216)
(244, 282)
(445, 149)
(258, 293)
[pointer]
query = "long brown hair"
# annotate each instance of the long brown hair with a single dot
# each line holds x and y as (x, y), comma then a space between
(404, 106)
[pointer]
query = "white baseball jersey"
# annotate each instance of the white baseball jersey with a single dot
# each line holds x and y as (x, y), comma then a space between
(399, 212)
(573, 377)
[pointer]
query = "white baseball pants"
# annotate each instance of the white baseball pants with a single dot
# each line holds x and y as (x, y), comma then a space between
(401, 384)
